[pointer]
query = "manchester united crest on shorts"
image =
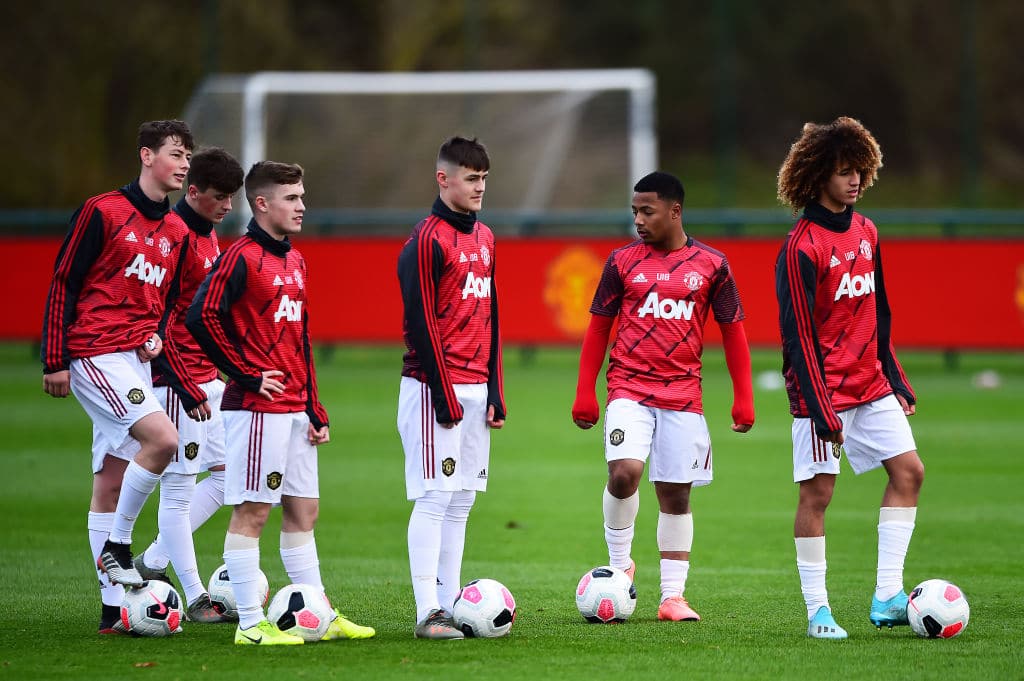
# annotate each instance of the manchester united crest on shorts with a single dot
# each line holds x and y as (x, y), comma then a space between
(616, 437)
(136, 396)
(448, 467)
(274, 480)
(191, 450)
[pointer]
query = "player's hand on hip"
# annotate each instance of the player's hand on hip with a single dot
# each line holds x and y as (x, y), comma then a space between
(57, 384)
(271, 386)
(319, 436)
(150, 348)
(491, 421)
(201, 412)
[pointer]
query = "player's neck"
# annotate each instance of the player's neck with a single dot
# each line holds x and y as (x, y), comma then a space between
(151, 188)
(673, 243)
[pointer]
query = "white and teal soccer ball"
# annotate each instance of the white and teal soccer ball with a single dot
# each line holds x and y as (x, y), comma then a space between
(154, 609)
(938, 609)
(605, 594)
(301, 610)
(223, 598)
(484, 608)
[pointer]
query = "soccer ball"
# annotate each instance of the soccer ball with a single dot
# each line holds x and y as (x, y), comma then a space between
(153, 609)
(484, 608)
(223, 597)
(606, 594)
(302, 610)
(938, 609)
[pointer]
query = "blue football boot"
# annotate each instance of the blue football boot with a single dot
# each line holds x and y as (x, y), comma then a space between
(823, 625)
(890, 613)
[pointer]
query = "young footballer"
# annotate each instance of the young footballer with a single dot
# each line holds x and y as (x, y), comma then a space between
(846, 388)
(250, 317)
(451, 387)
(112, 280)
(661, 289)
(212, 179)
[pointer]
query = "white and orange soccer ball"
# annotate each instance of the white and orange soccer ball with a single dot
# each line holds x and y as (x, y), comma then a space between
(605, 594)
(153, 609)
(938, 609)
(484, 608)
(301, 610)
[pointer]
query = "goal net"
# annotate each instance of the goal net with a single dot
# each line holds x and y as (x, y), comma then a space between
(566, 147)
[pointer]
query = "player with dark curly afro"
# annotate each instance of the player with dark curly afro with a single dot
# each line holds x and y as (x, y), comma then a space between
(819, 151)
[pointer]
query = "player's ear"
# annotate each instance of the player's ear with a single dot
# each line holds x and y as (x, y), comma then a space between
(442, 178)
(146, 156)
(261, 204)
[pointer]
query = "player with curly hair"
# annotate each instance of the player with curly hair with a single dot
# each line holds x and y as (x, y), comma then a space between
(846, 388)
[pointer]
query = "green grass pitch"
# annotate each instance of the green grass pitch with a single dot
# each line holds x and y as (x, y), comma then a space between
(537, 529)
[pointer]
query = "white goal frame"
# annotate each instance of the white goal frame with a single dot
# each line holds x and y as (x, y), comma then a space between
(255, 88)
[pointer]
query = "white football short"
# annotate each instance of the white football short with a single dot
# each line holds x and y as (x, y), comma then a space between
(677, 443)
(872, 433)
(443, 459)
(267, 456)
(200, 443)
(116, 390)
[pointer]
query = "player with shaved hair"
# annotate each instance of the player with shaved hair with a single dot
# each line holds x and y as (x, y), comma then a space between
(846, 388)
(451, 388)
(660, 289)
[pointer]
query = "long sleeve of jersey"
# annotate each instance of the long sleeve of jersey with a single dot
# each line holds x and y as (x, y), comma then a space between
(419, 273)
(886, 352)
(169, 363)
(495, 378)
(737, 360)
(80, 249)
(314, 409)
(795, 283)
(209, 319)
(595, 346)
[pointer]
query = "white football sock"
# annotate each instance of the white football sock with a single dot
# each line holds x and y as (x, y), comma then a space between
(673, 577)
(675, 533)
(156, 556)
(207, 499)
(895, 527)
(99, 529)
(453, 544)
(244, 568)
(424, 539)
(619, 524)
(301, 562)
(136, 487)
(176, 532)
(810, 563)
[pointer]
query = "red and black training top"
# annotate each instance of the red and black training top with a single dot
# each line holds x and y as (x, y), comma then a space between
(834, 318)
(196, 262)
(115, 275)
(450, 324)
(249, 316)
(662, 300)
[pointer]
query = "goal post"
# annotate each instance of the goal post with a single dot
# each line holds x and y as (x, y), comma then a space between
(566, 145)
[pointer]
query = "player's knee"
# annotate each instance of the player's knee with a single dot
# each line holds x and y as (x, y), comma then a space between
(623, 481)
(911, 474)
